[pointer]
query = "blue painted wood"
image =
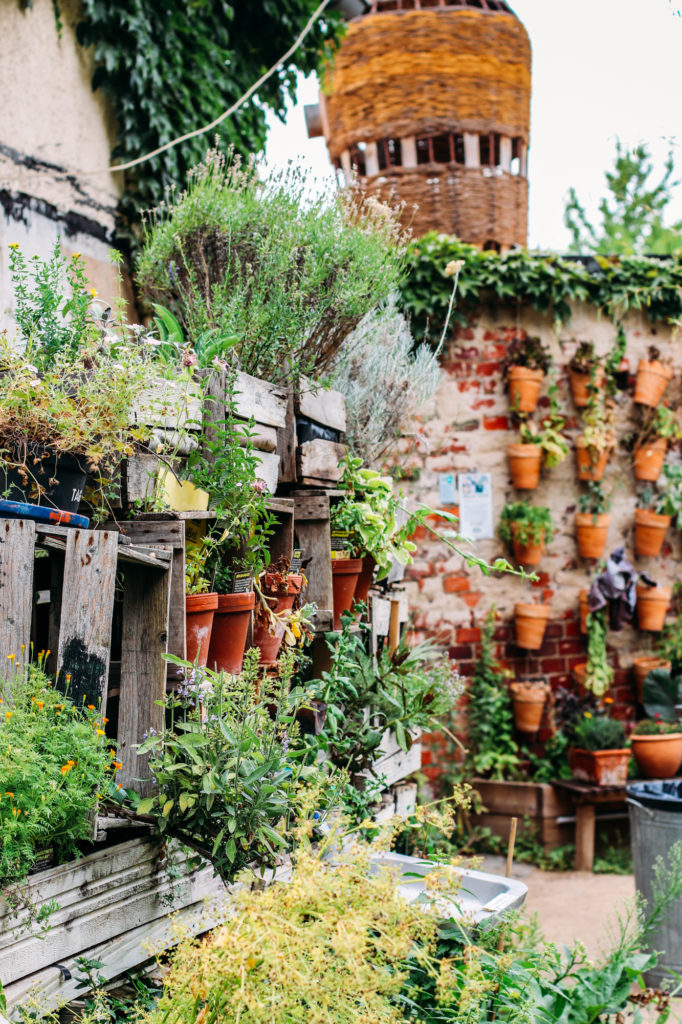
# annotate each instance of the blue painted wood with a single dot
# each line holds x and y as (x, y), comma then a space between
(41, 514)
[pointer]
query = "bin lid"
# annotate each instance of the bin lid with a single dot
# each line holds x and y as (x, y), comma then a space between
(663, 794)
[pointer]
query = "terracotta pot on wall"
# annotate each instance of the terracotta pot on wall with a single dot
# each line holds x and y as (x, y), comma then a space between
(230, 629)
(658, 757)
(600, 767)
(524, 462)
(524, 388)
(648, 459)
(269, 643)
(528, 699)
(530, 621)
(199, 612)
(652, 380)
(345, 574)
(649, 532)
(643, 666)
(527, 554)
(580, 385)
(592, 533)
(365, 579)
(584, 609)
(652, 604)
(591, 464)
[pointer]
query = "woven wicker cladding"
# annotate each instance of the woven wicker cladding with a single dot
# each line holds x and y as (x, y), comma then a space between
(429, 71)
(457, 200)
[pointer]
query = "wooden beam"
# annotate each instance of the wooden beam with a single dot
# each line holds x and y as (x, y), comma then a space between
(17, 544)
(321, 460)
(323, 406)
(258, 400)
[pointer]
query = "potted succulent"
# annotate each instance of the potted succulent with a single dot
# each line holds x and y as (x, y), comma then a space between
(279, 599)
(598, 753)
(657, 747)
(653, 377)
(530, 622)
(585, 373)
(653, 602)
(528, 528)
(200, 603)
(526, 363)
(528, 699)
(650, 443)
(651, 523)
(592, 521)
(594, 446)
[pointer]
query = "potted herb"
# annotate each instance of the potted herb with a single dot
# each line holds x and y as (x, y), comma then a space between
(599, 754)
(651, 523)
(279, 599)
(528, 699)
(657, 747)
(653, 377)
(528, 528)
(592, 521)
(594, 446)
(525, 460)
(539, 442)
(231, 571)
(200, 603)
(652, 604)
(585, 373)
(526, 363)
(596, 675)
(650, 443)
(530, 621)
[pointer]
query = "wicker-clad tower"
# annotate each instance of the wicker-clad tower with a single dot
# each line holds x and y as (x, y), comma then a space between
(428, 101)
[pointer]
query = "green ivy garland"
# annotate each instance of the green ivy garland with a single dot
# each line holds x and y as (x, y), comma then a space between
(547, 283)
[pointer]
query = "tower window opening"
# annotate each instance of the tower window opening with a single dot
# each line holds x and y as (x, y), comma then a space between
(515, 166)
(484, 150)
(458, 149)
(492, 246)
(358, 158)
(442, 153)
(424, 151)
(489, 150)
(389, 152)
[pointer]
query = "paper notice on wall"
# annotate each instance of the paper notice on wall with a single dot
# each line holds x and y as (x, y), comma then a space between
(476, 506)
(447, 488)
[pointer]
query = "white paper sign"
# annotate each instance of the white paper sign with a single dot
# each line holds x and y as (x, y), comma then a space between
(447, 489)
(476, 506)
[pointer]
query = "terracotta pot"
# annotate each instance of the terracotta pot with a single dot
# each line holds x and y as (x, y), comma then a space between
(579, 672)
(652, 380)
(649, 532)
(345, 573)
(524, 388)
(199, 612)
(643, 666)
(592, 533)
(230, 629)
(528, 699)
(591, 464)
(527, 554)
(365, 579)
(652, 604)
(269, 643)
(584, 609)
(600, 767)
(524, 462)
(531, 622)
(648, 459)
(658, 757)
(580, 385)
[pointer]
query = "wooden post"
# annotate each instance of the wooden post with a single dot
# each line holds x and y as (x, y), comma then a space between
(312, 532)
(394, 626)
(510, 847)
(584, 837)
(17, 543)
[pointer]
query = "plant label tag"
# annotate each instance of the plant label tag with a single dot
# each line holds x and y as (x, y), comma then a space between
(242, 583)
(447, 488)
(339, 539)
(296, 560)
(476, 506)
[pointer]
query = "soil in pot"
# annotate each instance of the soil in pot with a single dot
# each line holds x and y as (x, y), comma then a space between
(649, 532)
(580, 383)
(652, 380)
(600, 767)
(528, 699)
(592, 533)
(658, 757)
(524, 463)
(269, 643)
(365, 579)
(51, 479)
(345, 574)
(648, 459)
(524, 388)
(643, 666)
(530, 622)
(584, 610)
(591, 464)
(199, 612)
(230, 629)
(652, 605)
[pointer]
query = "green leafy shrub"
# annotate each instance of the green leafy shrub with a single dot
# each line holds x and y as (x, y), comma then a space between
(655, 727)
(661, 692)
(598, 732)
(529, 352)
(493, 752)
(526, 523)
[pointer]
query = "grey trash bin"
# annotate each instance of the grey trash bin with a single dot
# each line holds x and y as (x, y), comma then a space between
(655, 810)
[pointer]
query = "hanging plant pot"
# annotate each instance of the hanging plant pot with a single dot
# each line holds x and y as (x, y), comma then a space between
(524, 388)
(649, 532)
(600, 767)
(279, 601)
(658, 757)
(528, 699)
(345, 573)
(199, 612)
(580, 385)
(591, 464)
(652, 380)
(530, 622)
(584, 610)
(643, 666)
(652, 605)
(524, 462)
(230, 629)
(648, 459)
(364, 579)
(527, 554)
(592, 533)
(51, 479)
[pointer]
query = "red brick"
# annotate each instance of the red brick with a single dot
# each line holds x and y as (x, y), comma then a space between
(572, 646)
(494, 336)
(488, 369)
(456, 368)
(496, 352)
(549, 647)
(472, 599)
(482, 403)
(543, 580)
(575, 659)
(511, 333)
(420, 533)
(490, 387)
(554, 630)
(468, 385)
(466, 334)
(572, 629)
(468, 635)
(464, 651)
(553, 665)
(495, 423)
(465, 668)
(456, 584)
(502, 632)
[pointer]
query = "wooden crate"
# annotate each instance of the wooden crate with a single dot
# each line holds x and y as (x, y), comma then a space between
(312, 533)
(539, 802)
(315, 463)
(394, 764)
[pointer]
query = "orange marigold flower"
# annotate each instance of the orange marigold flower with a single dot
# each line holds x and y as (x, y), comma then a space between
(8, 715)
(91, 707)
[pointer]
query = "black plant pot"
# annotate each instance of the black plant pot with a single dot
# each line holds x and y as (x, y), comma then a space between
(54, 479)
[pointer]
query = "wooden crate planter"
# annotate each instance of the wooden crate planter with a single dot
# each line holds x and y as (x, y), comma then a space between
(541, 803)
(394, 763)
(314, 463)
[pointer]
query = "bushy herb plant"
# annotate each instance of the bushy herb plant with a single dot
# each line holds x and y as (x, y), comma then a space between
(528, 352)
(526, 523)
(548, 433)
(656, 727)
(594, 500)
(493, 752)
(599, 732)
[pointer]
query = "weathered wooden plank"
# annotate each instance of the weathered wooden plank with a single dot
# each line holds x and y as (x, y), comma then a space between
(139, 475)
(262, 437)
(154, 558)
(394, 764)
(258, 400)
(282, 540)
(165, 532)
(312, 506)
(281, 505)
(171, 404)
(267, 469)
(286, 445)
(323, 406)
(17, 544)
(320, 460)
(87, 605)
(144, 641)
(314, 537)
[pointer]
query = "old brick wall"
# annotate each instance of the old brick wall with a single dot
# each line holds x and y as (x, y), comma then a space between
(467, 427)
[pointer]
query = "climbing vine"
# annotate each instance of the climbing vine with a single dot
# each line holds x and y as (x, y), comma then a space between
(546, 282)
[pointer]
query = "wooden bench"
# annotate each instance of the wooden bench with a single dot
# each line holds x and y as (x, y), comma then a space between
(585, 798)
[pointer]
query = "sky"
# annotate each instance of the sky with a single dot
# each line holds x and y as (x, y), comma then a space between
(602, 70)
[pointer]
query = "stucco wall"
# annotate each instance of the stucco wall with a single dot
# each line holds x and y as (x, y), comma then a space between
(467, 428)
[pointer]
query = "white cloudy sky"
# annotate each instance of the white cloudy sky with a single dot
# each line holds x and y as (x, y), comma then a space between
(602, 70)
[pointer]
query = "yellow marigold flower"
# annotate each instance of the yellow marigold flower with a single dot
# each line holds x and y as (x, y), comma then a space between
(608, 700)
(40, 704)
(23, 647)
(11, 657)
(99, 732)
(105, 720)
(65, 768)
(8, 715)
(120, 786)
(14, 245)
(76, 256)
(588, 714)
(93, 292)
